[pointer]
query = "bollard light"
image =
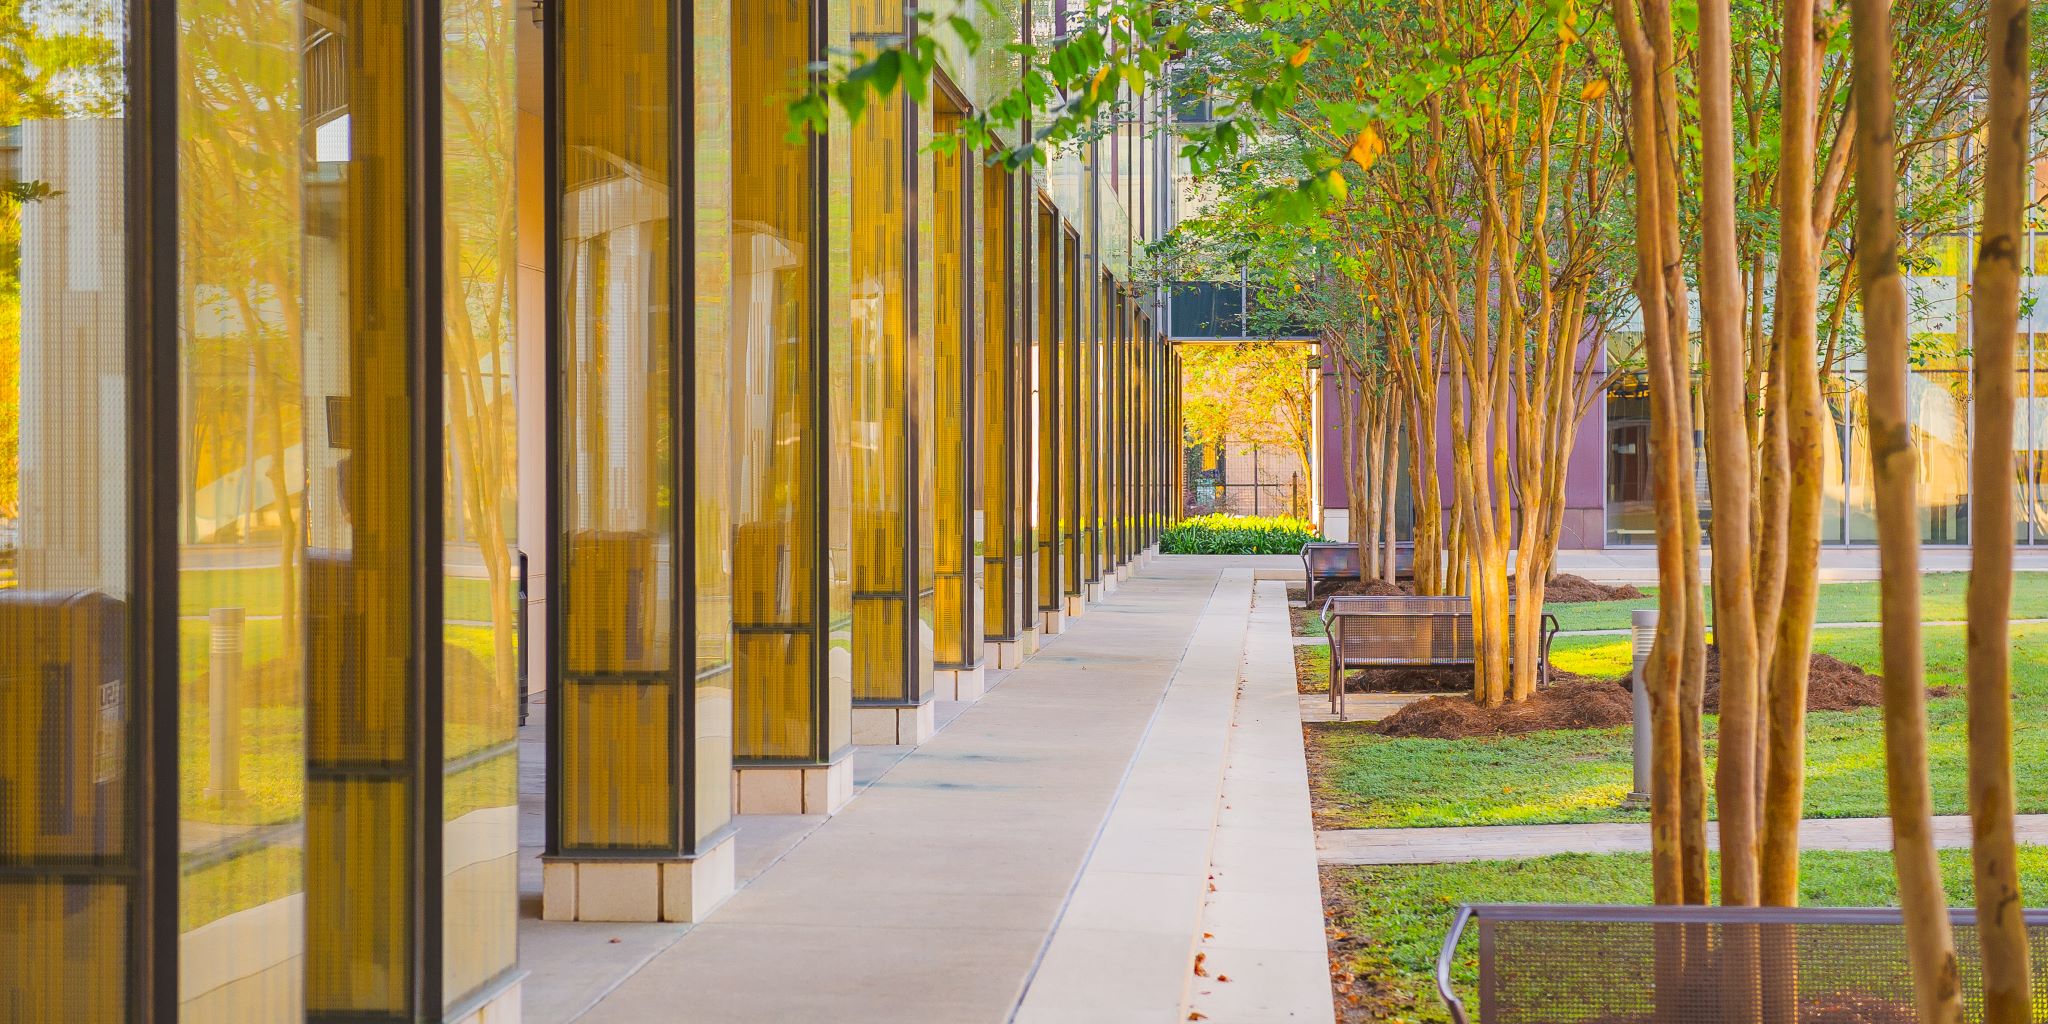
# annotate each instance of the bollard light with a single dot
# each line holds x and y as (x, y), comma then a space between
(1643, 630)
(224, 703)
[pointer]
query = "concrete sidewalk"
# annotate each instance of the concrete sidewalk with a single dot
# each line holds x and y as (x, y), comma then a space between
(1518, 842)
(967, 881)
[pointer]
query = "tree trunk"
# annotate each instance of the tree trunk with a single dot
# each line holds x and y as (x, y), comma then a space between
(1721, 322)
(1661, 672)
(1798, 270)
(1930, 942)
(1994, 315)
(1387, 478)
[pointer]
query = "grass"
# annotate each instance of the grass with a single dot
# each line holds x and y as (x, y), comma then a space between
(1941, 601)
(1569, 776)
(260, 592)
(1401, 914)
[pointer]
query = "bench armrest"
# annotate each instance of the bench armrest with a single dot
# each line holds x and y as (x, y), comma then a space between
(1443, 966)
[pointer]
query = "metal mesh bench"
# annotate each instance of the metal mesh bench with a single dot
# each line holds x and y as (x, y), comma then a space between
(1330, 562)
(1324, 562)
(1409, 632)
(1545, 963)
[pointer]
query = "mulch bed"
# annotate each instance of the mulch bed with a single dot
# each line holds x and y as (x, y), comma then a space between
(1569, 702)
(1565, 588)
(1364, 588)
(1580, 702)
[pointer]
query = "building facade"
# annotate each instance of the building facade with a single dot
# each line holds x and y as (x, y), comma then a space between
(383, 375)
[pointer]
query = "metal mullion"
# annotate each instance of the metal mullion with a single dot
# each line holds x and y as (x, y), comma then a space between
(820, 402)
(551, 559)
(429, 439)
(682, 326)
(154, 483)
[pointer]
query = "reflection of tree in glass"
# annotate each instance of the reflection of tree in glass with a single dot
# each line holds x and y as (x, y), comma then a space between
(479, 121)
(57, 60)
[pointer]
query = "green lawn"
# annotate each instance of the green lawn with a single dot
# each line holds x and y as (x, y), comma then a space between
(1581, 775)
(259, 592)
(1402, 913)
(1941, 597)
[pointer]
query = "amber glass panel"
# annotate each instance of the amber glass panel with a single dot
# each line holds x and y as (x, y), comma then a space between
(1089, 398)
(835, 395)
(924, 432)
(362, 583)
(884, 359)
(959, 621)
(711, 344)
(1000, 374)
(1050, 375)
(480, 589)
(68, 768)
(1071, 452)
(618, 517)
(259, 396)
(779, 512)
(615, 758)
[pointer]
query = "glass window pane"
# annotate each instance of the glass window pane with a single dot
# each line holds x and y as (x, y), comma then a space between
(255, 442)
(481, 589)
(67, 711)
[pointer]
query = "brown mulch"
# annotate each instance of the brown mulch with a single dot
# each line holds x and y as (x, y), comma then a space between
(1569, 702)
(1565, 588)
(1365, 588)
(1831, 685)
(1578, 702)
(1410, 680)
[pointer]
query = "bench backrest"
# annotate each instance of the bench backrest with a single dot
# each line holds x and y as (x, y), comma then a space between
(1328, 560)
(1548, 963)
(1400, 630)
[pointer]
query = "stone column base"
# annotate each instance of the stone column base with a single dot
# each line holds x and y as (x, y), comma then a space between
(1052, 623)
(1108, 584)
(1077, 606)
(792, 789)
(967, 683)
(1006, 654)
(1123, 573)
(1095, 592)
(884, 727)
(683, 891)
(502, 1008)
(1029, 640)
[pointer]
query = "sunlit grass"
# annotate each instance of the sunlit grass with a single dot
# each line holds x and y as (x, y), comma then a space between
(1941, 600)
(1404, 912)
(1567, 776)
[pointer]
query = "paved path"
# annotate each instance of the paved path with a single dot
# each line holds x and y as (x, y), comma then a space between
(1516, 842)
(1075, 814)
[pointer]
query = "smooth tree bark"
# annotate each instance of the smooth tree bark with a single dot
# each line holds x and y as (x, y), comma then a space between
(1805, 435)
(1721, 321)
(1930, 941)
(1667, 862)
(1994, 315)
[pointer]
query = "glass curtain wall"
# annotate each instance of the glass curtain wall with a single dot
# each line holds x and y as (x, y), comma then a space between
(480, 561)
(640, 733)
(886, 361)
(1000, 371)
(792, 656)
(74, 692)
(1071, 386)
(1100, 418)
(959, 617)
(615, 714)
(1048, 462)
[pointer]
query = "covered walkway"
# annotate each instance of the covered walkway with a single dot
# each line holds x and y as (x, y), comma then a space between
(1131, 797)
